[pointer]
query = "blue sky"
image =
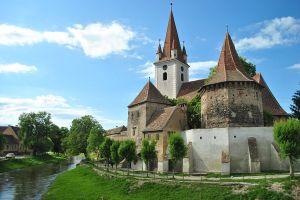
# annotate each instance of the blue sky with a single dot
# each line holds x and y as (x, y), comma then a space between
(73, 58)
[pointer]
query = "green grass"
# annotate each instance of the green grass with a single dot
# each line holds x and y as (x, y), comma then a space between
(84, 183)
(12, 164)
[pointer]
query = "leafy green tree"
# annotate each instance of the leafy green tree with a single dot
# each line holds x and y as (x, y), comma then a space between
(79, 132)
(268, 118)
(127, 151)
(194, 112)
(249, 67)
(105, 150)
(57, 135)
(287, 136)
(148, 152)
(64, 131)
(295, 107)
(95, 139)
(35, 130)
(177, 148)
(114, 153)
(2, 141)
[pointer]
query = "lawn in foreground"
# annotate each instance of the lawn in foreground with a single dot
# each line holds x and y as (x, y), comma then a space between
(84, 183)
(12, 164)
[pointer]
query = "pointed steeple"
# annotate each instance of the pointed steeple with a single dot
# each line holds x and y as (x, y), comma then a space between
(183, 49)
(229, 66)
(159, 51)
(172, 40)
(149, 94)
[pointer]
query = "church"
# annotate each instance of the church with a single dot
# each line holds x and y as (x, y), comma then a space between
(232, 137)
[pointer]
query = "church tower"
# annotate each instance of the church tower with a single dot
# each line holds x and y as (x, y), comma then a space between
(171, 68)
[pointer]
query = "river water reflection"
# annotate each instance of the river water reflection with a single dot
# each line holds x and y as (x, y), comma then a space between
(31, 183)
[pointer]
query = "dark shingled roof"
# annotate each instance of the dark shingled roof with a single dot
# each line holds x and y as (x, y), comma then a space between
(116, 130)
(270, 103)
(160, 119)
(229, 67)
(190, 89)
(3, 128)
(149, 94)
(11, 139)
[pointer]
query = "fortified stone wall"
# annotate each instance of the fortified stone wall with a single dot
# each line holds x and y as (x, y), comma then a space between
(208, 145)
(214, 107)
(231, 104)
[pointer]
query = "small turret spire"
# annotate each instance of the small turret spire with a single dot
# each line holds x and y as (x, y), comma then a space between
(159, 51)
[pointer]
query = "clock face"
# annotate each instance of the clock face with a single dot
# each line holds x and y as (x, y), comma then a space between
(165, 67)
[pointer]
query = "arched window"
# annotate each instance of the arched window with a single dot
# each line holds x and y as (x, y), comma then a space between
(182, 68)
(165, 76)
(165, 67)
(182, 79)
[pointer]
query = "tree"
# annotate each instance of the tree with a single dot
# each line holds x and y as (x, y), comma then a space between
(94, 140)
(194, 112)
(127, 151)
(35, 130)
(268, 118)
(79, 132)
(177, 148)
(148, 152)
(64, 141)
(249, 68)
(2, 141)
(105, 150)
(287, 136)
(295, 107)
(114, 153)
(57, 135)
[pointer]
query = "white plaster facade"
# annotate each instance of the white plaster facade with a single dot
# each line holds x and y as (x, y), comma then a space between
(174, 69)
(208, 144)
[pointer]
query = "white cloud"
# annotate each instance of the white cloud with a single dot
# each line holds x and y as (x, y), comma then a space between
(147, 70)
(62, 111)
(201, 67)
(17, 68)
(97, 40)
(278, 31)
(295, 66)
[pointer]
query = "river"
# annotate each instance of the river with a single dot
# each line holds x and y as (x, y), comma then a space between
(32, 182)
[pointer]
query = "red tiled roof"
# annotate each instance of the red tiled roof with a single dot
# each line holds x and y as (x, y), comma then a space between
(229, 67)
(270, 103)
(160, 119)
(149, 94)
(190, 89)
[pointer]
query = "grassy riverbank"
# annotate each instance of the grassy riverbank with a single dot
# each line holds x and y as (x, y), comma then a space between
(84, 183)
(12, 164)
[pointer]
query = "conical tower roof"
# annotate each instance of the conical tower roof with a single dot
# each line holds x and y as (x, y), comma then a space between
(150, 94)
(229, 67)
(172, 41)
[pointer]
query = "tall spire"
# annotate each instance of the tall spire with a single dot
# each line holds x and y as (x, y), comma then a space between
(229, 66)
(172, 40)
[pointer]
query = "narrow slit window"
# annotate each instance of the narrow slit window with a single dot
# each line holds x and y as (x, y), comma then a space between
(165, 76)
(182, 79)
